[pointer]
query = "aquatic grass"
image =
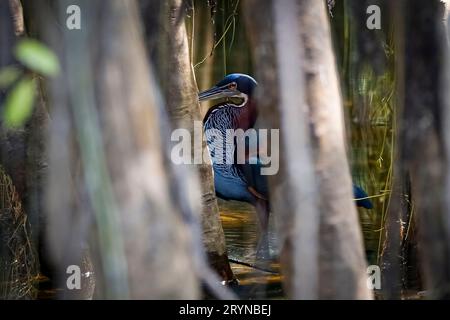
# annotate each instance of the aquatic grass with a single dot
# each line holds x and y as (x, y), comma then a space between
(19, 266)
(373, 148)
(370, 122)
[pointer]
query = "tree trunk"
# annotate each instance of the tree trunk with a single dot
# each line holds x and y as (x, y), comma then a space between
(180, 90)
(333, 223)
(445, 94)
(293, 196)
(390, 260)
(422, 133)
(142, 247)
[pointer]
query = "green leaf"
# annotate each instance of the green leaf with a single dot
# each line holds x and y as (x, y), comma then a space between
(8, 76)
(19, 103)
(37, 57)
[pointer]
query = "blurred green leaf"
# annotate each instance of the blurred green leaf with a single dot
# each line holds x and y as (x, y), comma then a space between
(37, 57)
(8, 76)
(19, 103)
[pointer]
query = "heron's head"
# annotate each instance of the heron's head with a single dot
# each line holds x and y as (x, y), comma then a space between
(235, 85)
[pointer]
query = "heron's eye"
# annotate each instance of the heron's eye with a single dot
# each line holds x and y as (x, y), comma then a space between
(232, 86)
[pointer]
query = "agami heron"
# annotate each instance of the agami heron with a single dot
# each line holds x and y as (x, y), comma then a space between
(242, 182)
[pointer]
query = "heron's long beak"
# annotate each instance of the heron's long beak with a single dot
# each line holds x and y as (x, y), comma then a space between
(216, 93)
(213, 93)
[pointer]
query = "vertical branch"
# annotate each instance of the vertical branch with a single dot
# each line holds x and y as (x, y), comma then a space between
(390, 255)
(180, 90)
(143, 248)
(422, 136)
(303, 188)
(318, 142)
(342, 260)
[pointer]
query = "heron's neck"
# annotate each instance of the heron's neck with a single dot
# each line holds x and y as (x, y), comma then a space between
(239, 115)
(248, 114)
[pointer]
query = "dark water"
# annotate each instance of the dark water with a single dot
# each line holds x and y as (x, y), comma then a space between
(257, 279)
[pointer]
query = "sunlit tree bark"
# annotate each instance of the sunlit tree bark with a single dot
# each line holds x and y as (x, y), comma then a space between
(301, 27)
(17, 14)
(180, 90)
